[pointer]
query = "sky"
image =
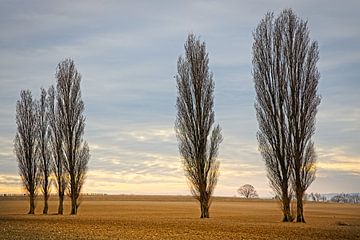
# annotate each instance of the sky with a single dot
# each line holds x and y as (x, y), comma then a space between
(127, 53)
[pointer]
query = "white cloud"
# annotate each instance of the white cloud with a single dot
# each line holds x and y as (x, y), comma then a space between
(337, 159)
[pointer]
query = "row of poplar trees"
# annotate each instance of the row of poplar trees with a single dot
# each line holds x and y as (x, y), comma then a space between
(49, 139)
(50, 131)
(286, 80)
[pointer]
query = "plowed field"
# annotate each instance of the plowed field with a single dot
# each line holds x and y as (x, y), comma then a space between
(172, 217)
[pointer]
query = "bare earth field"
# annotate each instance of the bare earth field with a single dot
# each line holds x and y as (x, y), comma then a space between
(175, 217)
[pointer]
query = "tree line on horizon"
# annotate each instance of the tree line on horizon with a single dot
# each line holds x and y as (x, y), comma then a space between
(285, 77)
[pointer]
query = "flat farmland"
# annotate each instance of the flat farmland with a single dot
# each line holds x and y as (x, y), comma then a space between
(174, 217)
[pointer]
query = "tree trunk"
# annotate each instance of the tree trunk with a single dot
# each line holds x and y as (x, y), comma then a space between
(204, 207)
(73, 206)
(61, 204)
(46, 206)
(286, 209)
(46, 194)
(32, 203)
(46, 198)
(300, 209)
(73, 196)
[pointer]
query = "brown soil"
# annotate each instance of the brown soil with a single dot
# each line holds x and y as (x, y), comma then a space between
(173, 217)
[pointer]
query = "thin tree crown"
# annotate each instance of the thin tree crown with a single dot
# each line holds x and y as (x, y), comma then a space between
(195, 96)
(198, 139)
(25, 142)
(71, 108)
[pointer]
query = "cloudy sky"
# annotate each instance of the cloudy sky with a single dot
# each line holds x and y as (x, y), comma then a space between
(127, 51)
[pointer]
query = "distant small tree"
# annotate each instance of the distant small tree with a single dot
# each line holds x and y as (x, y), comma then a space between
(355, 198)
(25, 145)
(346, 198)
(323, 198)
(317, 197)
(248, 191)
(198, 138)
(340, 198)
(44, 147)
(313, 196)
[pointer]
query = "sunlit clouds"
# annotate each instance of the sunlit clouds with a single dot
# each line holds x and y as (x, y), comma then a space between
(338, 159)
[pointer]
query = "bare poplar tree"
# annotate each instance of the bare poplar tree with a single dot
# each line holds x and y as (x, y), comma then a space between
(301, 56)
(56, 141)
(25, 145)
(248, 191)
(72, 123)
(270, 77)
(198, 139)
(286, 80)
(44, 148)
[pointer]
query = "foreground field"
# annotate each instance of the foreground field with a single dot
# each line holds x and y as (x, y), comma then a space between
(166, 217)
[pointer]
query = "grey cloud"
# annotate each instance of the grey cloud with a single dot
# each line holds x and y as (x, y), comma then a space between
(340, 182)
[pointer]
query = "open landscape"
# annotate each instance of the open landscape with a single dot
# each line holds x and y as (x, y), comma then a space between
(174, 217)
(179, 120)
